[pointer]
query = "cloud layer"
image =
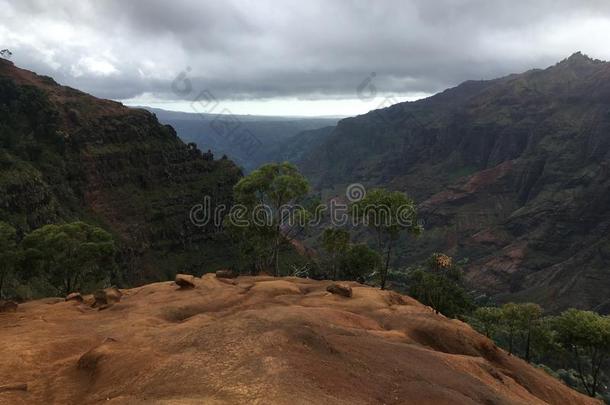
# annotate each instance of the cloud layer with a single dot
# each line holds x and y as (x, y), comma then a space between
(253, 50)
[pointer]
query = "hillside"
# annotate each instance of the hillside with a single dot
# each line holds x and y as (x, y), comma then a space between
(258, 340)
(248, 140)
(510, 173)
(65, 156)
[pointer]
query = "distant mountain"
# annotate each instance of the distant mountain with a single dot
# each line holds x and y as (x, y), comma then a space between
(511, 173)
(246, 139)
(65, 155)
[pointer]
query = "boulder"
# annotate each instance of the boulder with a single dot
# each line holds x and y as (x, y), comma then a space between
(228, 281)
(106, 297)
(340, 289)
(75, 296)
(185, 280)
(226, 273)
(8, 306)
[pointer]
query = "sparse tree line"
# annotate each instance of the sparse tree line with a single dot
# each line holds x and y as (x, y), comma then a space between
(261, 244)
(55, 259)
(573, 346)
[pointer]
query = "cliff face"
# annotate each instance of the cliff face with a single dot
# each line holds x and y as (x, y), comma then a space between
(511, 173)
(259, 340)
(68, 155)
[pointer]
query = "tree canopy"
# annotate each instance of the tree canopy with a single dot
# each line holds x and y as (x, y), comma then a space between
(586, 336)
(8, 253)
(69, 255)
(387, 214)
(335, 242)
(269, 197)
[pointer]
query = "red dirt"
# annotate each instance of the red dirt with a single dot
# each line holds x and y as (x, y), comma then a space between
(473, 184)
(261, 340)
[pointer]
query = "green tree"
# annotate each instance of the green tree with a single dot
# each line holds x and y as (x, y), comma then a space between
(520, 320)
(70, 255)
(387, 214)
(440, 287)
(543, 341)
(252, 242)
(8, 253)
(511, 320)
(530, 316)
(270, 195)
(586, 336)
(359, 261)
(487, 320)
(335, 242)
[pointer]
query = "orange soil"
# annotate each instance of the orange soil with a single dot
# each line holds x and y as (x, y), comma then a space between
(259, 340)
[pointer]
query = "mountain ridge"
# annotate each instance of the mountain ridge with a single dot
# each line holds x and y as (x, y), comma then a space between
(67, 155)
(536, 147)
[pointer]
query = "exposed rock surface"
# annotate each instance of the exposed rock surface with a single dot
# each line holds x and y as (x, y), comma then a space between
(185, 280)
(106, 297)
(226, 274)
(340, 289)
(263, 340)
(75, 296)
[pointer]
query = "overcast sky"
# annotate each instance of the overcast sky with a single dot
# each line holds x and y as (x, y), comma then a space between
(288, 57)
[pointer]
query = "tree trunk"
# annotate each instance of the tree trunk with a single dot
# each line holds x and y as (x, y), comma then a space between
(595, 374)
(276, 252)
(527, 344)
(581, 373)
(384, 274)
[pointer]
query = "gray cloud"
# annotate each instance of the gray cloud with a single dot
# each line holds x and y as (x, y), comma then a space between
(314, 49)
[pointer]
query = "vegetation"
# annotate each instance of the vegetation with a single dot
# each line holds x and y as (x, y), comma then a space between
(56, 259)
(575, 343)
(270, 213)
(439, 285)
(335, 242)
(359, 262)
(70, 255)
(273, 207)
(8, 253)
(56, 151)
(586, 336)
(487, 319)
(345, 260)
(387, 214)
